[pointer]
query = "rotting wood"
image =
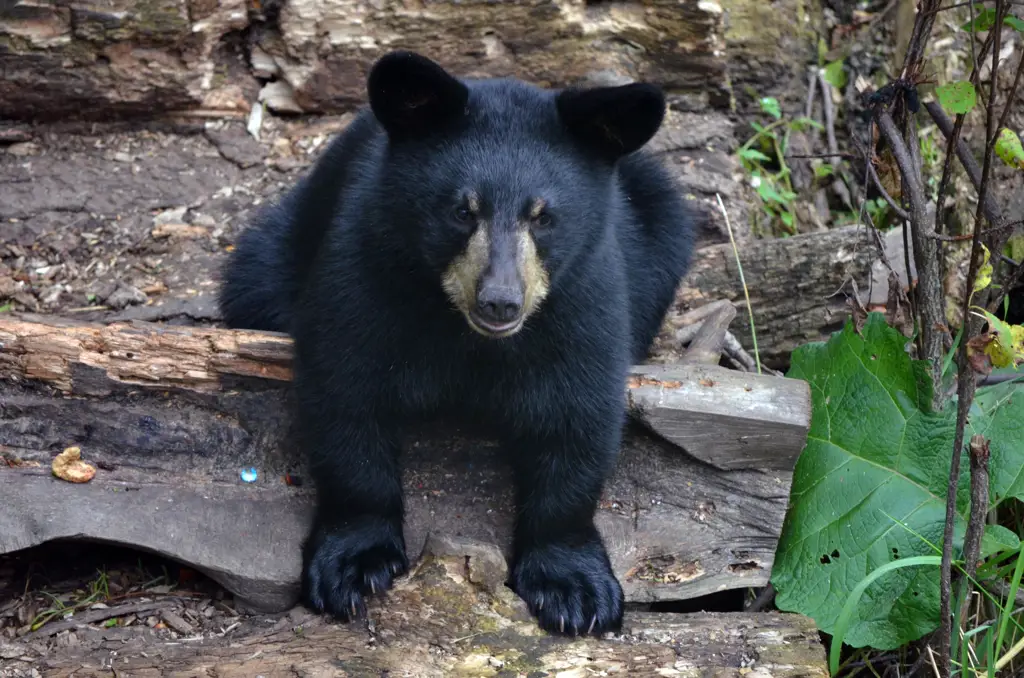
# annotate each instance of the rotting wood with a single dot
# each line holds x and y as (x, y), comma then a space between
(170, 415)
(452, 616)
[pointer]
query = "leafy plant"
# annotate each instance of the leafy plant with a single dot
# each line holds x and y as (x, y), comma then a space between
(763, 157)
(986, 18)
(870, 485)
(770, 105)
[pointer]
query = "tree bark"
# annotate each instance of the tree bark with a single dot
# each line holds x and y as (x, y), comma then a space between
(171, 416)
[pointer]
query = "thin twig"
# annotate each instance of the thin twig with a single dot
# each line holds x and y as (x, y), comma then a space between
(812, 84)
(919, 38)
(970, 165)
(951, 144)
(822, 156)
(966, 383)
(828, 112)
(763, 600)
(743, 282)
(968, 236)
(899, 211)
(994, 245)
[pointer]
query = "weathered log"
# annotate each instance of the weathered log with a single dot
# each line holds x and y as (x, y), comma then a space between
(122, 57)
(798, 289)
(453, 617)
(171, 415)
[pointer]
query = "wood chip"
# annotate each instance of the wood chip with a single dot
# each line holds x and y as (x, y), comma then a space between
(177, 623)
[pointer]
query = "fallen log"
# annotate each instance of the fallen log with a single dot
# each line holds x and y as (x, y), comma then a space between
(172, 415)
(798, 287)
(452, 616)
(120, 57)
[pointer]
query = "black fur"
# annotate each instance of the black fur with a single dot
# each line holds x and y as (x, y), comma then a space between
(350, 263)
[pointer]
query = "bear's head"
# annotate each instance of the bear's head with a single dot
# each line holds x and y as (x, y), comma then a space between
(500, 185)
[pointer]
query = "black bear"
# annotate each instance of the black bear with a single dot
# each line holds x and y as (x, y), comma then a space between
(484, 249)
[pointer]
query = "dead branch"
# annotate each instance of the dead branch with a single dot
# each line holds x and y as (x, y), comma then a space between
(706, 347)
(930, 306)
(966, 383)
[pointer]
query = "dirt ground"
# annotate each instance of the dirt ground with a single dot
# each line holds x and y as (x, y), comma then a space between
(122, 601)
(134, 224)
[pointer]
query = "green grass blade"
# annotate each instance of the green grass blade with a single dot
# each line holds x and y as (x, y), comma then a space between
(851, 603)
(1011, 596)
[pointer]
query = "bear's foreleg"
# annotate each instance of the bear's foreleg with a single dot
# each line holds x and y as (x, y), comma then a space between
(560, 566)
(356, 547)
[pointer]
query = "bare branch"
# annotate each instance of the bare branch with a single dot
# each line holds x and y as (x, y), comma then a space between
(969, 236)
(963, 152)
(979, 456)
(930, 306)
(873, 173)
(966, 383)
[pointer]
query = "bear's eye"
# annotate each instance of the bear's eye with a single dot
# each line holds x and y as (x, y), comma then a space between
(462, 214)
(542, 220)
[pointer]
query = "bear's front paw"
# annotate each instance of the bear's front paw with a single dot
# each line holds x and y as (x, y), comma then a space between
(570, 589)
(342, 565)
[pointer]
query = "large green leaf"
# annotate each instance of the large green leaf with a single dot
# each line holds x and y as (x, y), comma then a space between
(998, 414)
(875, 455)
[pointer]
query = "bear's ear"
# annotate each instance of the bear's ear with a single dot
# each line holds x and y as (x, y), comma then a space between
(412, 96)
(613, 121)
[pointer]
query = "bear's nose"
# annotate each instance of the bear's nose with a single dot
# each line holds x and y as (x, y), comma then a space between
(499, 304)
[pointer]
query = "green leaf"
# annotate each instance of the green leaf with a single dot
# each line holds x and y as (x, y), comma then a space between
(770, 105)
(6, 307)
(787, 218)
(835, 75)
(957, 97)
(1009, 148)
(874, 451)
(802, 122)
(823, 170)
(998, 414)
(983, 21)
(1003, 343)
(877, 453)
(850, 606)
(768, 193)
(753, 154)
(998, 539)
(984, 276)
